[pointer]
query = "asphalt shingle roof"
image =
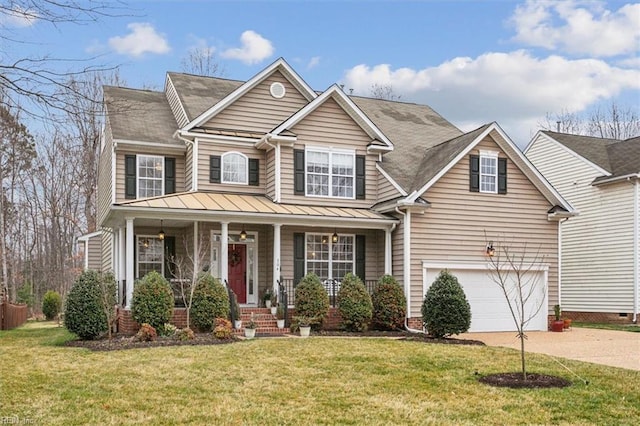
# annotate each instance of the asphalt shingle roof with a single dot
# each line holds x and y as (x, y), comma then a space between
(199, 93)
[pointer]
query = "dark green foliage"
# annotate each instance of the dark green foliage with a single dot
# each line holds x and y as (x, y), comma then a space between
(51, 304)
(210, 301)
(389, 304)
(24, 295)
(354, 304)
(84, 314)
(445, 310)
(152, 301)
(312, 300)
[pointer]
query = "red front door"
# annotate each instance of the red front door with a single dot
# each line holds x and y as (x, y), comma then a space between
(238, 271)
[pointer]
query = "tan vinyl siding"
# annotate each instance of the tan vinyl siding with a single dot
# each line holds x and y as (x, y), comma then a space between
(597, 245)
(105, 190)
(94, 252)
(120, 155)
(206, 149)
(188, 168)
(270, 167)
(107, 251)
(330, 126)
(175, 104)
(397, 244)
(386, 191)
(454, 227)
(257, 110)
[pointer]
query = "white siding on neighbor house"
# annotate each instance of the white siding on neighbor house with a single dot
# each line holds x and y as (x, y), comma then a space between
(330, 126)
(453, 228)
(206, 149)
(257, 110)
(597, 245)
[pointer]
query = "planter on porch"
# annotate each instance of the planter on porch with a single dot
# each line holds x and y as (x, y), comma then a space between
(249, 333)
(280, 323)
(237, 324)
(305, 331)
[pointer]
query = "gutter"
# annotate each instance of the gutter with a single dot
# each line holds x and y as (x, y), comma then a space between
(614, 179)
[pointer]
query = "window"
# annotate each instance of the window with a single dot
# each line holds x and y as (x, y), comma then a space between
(327, 259)
(150, 255)
(234, 168)
(489, 173)
(330, 173)
(150, 176)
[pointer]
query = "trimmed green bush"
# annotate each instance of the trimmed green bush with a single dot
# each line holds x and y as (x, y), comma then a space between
(389, 304)
(210, 301)
(51, 304)
(354, 304)
(445, 310)
(312, 300)
(84, 314)
(152, 301)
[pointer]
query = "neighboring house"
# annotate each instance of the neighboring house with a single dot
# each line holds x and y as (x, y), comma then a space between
(600, 253)
(278, 180)
(91, 250)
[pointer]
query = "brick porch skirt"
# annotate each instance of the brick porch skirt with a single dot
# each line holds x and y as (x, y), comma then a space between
(603, 317)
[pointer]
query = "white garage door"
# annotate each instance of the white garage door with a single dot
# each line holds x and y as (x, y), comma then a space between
(489, 308)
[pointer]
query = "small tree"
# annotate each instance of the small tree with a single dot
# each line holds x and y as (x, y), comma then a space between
(312, 300)
(152, 301)
(389, 304)
(108, 290)
(516, 272)
(354, 303)
(445, 310)
(51, 304)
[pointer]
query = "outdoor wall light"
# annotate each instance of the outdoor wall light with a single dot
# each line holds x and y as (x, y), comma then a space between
(334, 237)
(243, 234)
(491, 251)
(161, 233)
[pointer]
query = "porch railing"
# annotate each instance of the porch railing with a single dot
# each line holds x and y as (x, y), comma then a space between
(331, 286)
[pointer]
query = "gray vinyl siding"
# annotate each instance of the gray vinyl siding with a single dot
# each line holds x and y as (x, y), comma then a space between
(257, 110)
(597, 245)
(94, 252)
(107, 251)
(105, 191)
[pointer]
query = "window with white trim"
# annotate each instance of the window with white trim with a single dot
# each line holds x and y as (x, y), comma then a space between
(150, 175)
(234, 168)
(330, 173)
(489, 172)
(327, 259)
(150, 255)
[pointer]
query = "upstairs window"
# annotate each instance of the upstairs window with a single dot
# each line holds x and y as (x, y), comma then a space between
(150, 176)
(488, 173)
(329, 173)
(234, 168)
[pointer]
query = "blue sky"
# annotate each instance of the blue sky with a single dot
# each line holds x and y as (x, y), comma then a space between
(474, 62)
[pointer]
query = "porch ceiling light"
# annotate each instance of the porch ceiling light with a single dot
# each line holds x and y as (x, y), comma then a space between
(161, 233)
(491, 251)
(243, 234)
(334, 237)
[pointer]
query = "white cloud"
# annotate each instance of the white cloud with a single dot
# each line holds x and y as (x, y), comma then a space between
(515, 88)
(314, 62)
(578, 27)
(142, 39)
(255, 49)
(18, 17)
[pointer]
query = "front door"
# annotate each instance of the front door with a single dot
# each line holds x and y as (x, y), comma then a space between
(238, 271)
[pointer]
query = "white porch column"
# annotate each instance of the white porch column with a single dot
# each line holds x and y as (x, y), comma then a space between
(196, 248)
(276, 256)
(224, 252)
(129, 262)
(122, 267)
(387, 251)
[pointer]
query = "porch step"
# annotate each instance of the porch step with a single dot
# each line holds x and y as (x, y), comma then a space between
(266, 322)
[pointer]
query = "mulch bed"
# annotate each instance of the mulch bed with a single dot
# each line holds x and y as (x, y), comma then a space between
(516, 381)
(122, 342)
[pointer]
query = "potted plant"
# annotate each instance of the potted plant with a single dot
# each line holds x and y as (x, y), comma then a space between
(304, 325)
(266, 298)
(237, 323)
(274, 308)
(567, 323)
(250, 328)
(280, 316)
(558, 324)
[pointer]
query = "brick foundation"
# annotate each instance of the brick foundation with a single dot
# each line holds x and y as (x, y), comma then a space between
(602, 317)
(128, 326)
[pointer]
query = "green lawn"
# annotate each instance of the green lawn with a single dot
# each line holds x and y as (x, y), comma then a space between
(605, 326)
(320, 380)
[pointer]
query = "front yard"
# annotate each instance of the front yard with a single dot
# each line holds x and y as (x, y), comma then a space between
(321, 380)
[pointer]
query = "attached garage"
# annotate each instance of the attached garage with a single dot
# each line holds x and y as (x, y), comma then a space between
(489, 308)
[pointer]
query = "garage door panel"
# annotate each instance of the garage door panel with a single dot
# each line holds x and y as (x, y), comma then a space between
(489, 308)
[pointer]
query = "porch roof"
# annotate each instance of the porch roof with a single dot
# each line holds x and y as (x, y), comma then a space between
(249, 209)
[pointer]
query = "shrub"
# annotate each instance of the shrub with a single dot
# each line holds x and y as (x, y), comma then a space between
(222, 329)
(184, 334)
(84, 314)
(51, 304)
(389, 304)
(152, 301)
(312, 300)
(167, 329)
(354, 304)
(147, 333)
(210, 301)
(445, 310)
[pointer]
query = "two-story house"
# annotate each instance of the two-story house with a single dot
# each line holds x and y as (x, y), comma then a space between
(272, 180)
(600, 267)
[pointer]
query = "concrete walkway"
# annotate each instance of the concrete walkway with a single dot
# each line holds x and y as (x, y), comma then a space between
(607, 347)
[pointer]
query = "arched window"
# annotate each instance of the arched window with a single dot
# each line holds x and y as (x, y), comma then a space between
(234, 168)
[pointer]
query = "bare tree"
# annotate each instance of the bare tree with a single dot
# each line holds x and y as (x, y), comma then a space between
(516, 272)
(611, 122)
(202, 61)
(384, 91)
(108, 289)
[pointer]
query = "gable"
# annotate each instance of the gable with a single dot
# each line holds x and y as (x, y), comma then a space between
(259, 111)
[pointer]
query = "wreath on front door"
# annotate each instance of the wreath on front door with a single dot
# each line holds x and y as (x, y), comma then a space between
(235, 258)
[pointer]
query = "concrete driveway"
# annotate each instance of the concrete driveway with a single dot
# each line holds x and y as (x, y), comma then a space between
(607, 347)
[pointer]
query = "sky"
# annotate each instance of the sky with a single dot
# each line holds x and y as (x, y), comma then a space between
(474, 62)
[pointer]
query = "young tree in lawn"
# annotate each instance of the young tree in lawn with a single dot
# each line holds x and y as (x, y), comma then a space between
(516, 270)
(108, 289)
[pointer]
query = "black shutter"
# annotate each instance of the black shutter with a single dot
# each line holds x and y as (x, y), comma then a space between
(169, 256)
(474, 173)
(502, 175)
(360, 177)
(214, 168)
(169, 175)
(298, 257)
(298, 172)
(130, 176)
(360, 256)
(254, 171)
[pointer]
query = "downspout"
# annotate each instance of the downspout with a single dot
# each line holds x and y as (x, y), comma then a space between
(406, 271)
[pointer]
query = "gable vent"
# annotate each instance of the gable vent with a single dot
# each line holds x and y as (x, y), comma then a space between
(277, 90)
